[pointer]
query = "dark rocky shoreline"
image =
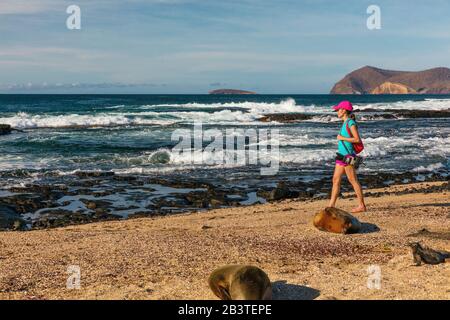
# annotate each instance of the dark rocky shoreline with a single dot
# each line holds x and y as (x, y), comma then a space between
(86, 197)
(365, 114)
(286, 117)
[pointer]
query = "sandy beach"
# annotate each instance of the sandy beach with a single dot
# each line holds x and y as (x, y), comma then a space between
(188, 151)
(171, 257)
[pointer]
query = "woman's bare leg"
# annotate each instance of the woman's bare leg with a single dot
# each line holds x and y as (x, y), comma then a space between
(337, 177)
(353, 179)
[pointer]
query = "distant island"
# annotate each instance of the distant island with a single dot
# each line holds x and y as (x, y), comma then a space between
(371, 80)
(230, 91)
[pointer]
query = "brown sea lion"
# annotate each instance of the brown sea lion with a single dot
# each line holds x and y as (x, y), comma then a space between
(427, 255)
(337, 221)
(240, 282)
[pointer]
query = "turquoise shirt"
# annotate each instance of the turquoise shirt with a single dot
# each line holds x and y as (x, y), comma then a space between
(341, 149)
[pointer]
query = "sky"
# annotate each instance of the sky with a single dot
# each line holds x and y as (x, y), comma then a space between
(194, 46)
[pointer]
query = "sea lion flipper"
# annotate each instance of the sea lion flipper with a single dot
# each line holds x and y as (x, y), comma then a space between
(268, 294)
(224, 294)
(219, 291)
(417, 259)
(217, 283)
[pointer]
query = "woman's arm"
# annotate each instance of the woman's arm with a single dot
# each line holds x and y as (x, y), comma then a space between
(355, 136)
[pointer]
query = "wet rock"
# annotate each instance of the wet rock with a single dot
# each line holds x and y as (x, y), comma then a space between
(218, 202)
(23, 203)
(60, 218)
(424, 114)
(17, 173)
(308, 194)
(136, 183)
(180, 184)
(41, 193)
(19, 225)
(104, 215)
(286, 117)
(124, 178)
(96, 204)
(262, 193)
(98, 194)
(10, 219)
(411, 113)
(197, 199)
(91, 205)
(95, 174)
(5, 129)
(379, 116)
(282, 191)
(171, 202)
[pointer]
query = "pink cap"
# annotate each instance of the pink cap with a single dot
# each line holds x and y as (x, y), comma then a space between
(347, 105)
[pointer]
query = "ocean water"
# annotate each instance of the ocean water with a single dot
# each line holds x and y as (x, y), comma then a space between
(62, 137)
(131, 134)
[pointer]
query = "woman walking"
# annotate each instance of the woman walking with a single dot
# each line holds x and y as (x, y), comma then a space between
(347, 136)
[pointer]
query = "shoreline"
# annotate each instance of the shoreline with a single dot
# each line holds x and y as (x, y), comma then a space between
(92, 196)
(171, 257)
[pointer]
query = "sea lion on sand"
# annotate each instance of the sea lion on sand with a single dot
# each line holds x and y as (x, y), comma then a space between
(427, 255)
(337, 221)
(240, 282)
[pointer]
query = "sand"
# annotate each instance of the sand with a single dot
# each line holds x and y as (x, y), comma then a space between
(171, 257)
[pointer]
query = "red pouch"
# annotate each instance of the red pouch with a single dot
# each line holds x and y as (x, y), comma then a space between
(358, 147)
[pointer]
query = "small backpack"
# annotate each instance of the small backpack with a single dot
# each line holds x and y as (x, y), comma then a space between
(358, 147)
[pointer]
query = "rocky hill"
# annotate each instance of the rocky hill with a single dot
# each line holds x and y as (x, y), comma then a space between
(371, 80)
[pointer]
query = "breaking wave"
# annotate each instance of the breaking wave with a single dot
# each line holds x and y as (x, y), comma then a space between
(238, 113)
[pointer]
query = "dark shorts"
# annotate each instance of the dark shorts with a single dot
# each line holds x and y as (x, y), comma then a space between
(342, 163)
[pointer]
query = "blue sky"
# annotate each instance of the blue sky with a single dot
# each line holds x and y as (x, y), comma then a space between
(193, 46)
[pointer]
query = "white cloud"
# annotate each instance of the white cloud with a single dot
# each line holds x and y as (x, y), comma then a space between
(26, 53)
(76, 85)
(25, 6)
(55, 58)
(37, 6)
